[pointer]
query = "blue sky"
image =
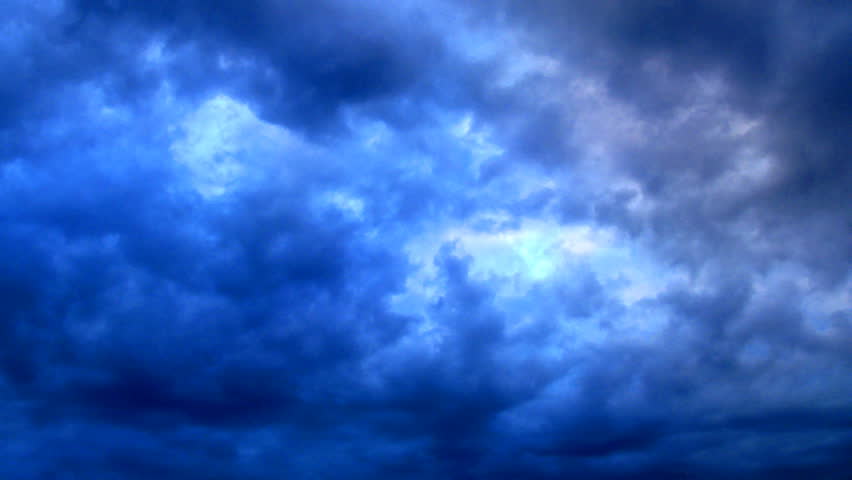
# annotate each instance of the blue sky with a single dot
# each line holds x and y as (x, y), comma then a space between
(349, 239)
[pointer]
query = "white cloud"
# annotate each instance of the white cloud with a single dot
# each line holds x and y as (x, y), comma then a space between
(223, 140)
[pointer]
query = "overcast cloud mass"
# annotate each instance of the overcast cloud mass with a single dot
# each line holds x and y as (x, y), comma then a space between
(360, 239)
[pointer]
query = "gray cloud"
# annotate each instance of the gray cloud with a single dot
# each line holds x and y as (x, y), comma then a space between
(338, 240)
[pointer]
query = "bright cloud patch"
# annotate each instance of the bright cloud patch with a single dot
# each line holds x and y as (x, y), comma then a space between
(223, 142)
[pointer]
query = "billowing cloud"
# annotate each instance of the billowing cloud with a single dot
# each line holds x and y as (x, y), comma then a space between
(501, 240)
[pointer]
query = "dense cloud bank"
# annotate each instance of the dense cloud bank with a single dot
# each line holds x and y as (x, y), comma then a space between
(466, 240)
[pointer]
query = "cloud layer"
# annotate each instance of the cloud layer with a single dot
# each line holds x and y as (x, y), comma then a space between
(465, 240)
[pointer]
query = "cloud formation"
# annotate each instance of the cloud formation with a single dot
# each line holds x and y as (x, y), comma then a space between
(501, 240)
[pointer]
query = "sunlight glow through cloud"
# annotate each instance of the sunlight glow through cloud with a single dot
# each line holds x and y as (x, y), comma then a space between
(222, 141)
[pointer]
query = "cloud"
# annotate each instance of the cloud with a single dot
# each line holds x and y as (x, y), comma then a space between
(505, 240)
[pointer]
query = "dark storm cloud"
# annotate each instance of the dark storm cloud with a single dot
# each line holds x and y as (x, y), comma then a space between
(153, 329)
(300, 63)
(784, 64)
(781, 64)
(129, 305)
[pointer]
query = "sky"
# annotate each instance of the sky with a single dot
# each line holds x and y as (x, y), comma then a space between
(436, 239)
